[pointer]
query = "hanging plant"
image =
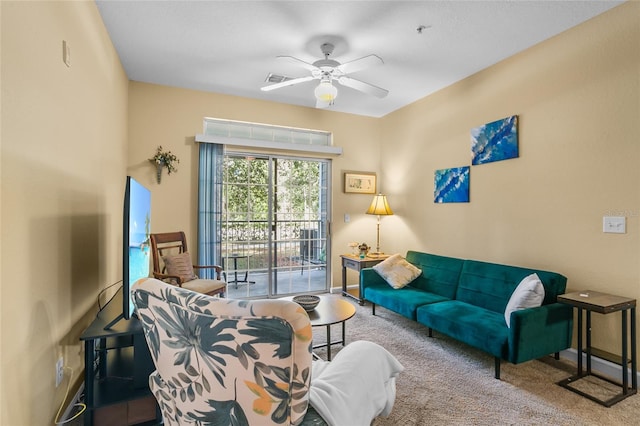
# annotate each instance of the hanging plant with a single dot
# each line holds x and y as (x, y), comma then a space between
(164, 159)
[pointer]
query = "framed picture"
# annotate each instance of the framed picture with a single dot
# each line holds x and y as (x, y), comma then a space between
(360, 183)
(451, 185)
(495, 141)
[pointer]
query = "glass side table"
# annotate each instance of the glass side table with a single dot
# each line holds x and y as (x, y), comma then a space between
(602, 303)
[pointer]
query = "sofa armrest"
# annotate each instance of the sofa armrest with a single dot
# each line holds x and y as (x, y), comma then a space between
(370, 278)
(541, 331)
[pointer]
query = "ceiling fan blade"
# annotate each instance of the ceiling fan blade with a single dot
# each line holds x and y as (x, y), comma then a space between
(363, 87)
(287, 83)
(360, 64)
(299, 62)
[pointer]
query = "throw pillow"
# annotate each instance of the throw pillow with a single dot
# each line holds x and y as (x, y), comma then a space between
(396, 271)
(180, 265)
(528, 294)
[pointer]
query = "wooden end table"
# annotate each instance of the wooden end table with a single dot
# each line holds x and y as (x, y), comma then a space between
(602, 303)
(357, 264)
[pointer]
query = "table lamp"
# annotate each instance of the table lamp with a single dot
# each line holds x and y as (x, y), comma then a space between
(380, 207)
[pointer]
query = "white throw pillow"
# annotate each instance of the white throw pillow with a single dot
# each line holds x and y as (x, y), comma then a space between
(397, 271)
(528, 294)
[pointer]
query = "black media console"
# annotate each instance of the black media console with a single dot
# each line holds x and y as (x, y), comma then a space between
(117, 368)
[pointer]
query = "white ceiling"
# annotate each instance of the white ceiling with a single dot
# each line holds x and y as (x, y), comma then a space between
(230, 47)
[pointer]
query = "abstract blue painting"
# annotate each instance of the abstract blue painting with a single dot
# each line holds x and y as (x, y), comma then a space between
(451, 185)
(495, 141)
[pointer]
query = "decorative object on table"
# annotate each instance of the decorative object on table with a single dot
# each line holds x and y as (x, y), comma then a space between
(354, 248)
(380, 207)
(164, 159)
(363, 250)
(495, 141)
(360, 183)
(307, 301)
(451, 185)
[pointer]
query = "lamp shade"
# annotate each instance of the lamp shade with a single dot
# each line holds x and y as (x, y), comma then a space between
(326, 91)
(380, 206)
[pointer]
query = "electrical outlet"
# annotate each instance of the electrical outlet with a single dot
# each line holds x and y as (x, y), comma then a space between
(59, 371)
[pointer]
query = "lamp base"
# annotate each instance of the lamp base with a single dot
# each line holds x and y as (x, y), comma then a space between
(375, 254)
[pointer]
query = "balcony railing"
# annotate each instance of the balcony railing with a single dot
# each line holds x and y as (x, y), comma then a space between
(292, 244)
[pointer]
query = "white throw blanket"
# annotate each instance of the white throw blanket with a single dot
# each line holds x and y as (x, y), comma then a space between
(358, 385)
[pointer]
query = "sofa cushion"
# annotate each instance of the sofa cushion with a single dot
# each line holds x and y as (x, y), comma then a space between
(475, 326)
(440, 274)
(404, 301)
(396, 271)
(528, 294)
(490, 285)
(180, 265)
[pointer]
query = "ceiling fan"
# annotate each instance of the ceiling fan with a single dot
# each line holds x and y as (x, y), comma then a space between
(327, 71)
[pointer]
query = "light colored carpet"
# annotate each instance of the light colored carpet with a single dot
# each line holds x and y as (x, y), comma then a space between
(448, 383)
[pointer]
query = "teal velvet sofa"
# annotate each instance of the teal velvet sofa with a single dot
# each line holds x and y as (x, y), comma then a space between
(466, 300)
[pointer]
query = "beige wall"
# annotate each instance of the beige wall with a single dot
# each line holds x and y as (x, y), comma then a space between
(171, 117)
(578, 101)
(63, 162)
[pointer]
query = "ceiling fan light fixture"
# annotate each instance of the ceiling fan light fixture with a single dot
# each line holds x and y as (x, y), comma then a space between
(325, 91)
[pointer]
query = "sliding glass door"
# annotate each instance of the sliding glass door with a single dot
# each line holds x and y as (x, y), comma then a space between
(275, 225)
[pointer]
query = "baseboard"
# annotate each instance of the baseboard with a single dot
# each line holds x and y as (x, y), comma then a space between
(338, 290)
(599, 365)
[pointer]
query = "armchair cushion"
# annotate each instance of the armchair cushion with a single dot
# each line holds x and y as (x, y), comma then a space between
(204, 286)
(180, 265)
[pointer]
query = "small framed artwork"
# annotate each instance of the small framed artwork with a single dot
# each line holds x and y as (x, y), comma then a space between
(451, 185)
(495, 141)
(359, 183)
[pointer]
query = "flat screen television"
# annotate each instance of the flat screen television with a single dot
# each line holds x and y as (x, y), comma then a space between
(136, 227)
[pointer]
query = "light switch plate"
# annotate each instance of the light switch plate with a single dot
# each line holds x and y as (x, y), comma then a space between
(347, 218)
(614, 224)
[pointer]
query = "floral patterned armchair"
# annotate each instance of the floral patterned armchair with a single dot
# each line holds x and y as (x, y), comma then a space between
(226, 362)
(238, 362)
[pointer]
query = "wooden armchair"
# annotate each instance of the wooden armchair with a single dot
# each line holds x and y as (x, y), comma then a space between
(172, 263)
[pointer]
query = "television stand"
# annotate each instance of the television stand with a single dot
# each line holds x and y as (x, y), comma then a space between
(113, 322)
(117, 367)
